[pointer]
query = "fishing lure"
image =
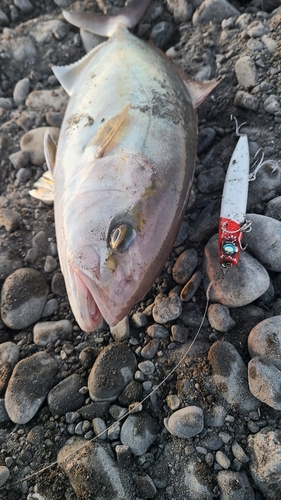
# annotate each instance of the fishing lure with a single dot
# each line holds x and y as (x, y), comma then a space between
(232, 223)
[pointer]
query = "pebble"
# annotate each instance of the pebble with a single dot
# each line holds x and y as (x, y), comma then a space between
(222, 459)
(265, 462)
(121, 331)
(206, 224)
(66, 395)
(150, 349)
(246, 101)
(54, 118)
(131, 393)
(139, 320)
(214, 11)
(23, 175)
(273, 208)
(25, 51)
(266, 185)
(182, 234)
(107, 379)
(94, 462)
(265, 340)
(4, 20)
(186, 422)
(50, 264)
(191, 287)
(269, 43)
(241, 285)
(239, 453)
(32, 143)
(25, 392)
(166, 308)
(264, 241)
(157, 331)
(184, 266)
(146, 367)
(55, 99)
(139, 432)
(99, 428)
(4, 417)
(206, 137)
(173, 401)
(4, 474)
(180, 333)
(162, 33)
(24, 296)
(24, 5)
(10, 219)
(8, 264)
(234, 486)
(182, 11)
(256, 29)
(50, 307)
(145, 487)
(21, 91)
(19, 159)
(230, 377)
(9, 356)
(219, 318)
(245, 71)
(113, 432)
(271, 105)
(211, 180)
(50, 331)
(265, 381)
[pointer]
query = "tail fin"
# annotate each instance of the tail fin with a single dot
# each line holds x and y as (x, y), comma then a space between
(104, 25)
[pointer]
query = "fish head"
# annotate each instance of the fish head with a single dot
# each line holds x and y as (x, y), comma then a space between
(114, 235)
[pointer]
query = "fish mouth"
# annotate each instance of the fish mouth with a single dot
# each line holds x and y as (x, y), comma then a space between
(86, 311)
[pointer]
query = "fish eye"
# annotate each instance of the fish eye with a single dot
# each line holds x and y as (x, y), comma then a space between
(121, 237)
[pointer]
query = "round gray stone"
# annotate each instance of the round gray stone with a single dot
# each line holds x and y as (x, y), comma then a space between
(265, 340)
(23, 298)
(65, 396)
(138, 432)
(113, 369)
(264, 241)
(186, 422)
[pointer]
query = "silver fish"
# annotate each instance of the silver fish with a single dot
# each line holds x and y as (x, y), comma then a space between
(123, 167)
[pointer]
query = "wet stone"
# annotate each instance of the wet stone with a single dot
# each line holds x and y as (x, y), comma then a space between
(235, 486)
(94, 462)
(145, 487)
(58, 285)
(121, 331)
(211, 179)
(186, 422)
(184, 266)
(19, 159)
(219, 318)
(24, 296)
(21, 91)
(182, 234)
(10, 219)
(162, 33)
(230, 376)
(241, 285)
(180, 333)
(131, 393)
(166, 308)
(50, 264)
(107, 378)
(191, 287)
(157, 332)
(24, 5)
(206, 223)
(265, 381)
(150, 349)
(206, 137)
(139, 432)
(66, 395)
(273, 208)
(265, 462)
(25, 392)
(264, 242)
(9, 356)
(51, 331)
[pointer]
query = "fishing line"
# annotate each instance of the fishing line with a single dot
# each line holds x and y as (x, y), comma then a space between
(130, 411)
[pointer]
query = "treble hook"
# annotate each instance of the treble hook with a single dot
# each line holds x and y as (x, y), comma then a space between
(237, 127)
(261, 163)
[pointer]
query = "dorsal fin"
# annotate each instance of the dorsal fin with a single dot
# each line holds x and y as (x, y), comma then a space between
(107, 131)
(102, 24)
(68, 75)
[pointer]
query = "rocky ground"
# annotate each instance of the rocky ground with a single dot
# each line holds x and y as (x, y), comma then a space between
(212, 429)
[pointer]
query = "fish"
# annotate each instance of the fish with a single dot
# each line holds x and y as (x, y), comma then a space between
(123, 166)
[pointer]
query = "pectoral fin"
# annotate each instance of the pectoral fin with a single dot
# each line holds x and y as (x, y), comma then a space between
(44, 188)
(50, 150)
(107, 131)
